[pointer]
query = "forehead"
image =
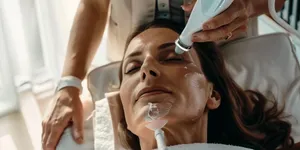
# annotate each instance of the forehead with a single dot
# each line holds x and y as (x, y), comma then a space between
(152, 38)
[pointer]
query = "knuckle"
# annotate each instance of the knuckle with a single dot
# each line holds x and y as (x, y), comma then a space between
(55, 123)
(50, 123)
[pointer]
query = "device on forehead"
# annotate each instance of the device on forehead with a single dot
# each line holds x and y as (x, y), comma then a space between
(202, 12)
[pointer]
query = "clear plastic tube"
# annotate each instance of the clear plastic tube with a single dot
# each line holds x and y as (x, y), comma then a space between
(272, 10)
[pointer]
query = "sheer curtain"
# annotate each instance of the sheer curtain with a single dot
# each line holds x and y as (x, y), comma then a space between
(8, 99)
(55, 19)
(12, 54)
(33, 40)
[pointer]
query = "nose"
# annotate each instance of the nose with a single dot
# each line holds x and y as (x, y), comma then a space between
(149, 69)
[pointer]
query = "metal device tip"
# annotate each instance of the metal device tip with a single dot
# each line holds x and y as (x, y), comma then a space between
(178, 50)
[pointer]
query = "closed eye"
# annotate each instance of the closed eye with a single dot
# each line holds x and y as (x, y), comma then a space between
(133, 70)
(173, 59)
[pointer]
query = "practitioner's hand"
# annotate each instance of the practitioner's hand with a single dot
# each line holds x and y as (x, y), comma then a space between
(229, 23)
(66, 109)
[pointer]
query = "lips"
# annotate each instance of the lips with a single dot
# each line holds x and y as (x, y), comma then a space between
(152, 91)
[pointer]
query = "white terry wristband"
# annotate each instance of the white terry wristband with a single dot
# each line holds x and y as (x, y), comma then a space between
(69, 81)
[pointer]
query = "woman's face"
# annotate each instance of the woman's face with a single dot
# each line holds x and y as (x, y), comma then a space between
(153, 72)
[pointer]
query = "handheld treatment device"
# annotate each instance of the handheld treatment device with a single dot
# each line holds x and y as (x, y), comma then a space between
(155, 112)
(202, 12)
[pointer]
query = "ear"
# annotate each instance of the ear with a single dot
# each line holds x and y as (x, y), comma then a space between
(214, 99)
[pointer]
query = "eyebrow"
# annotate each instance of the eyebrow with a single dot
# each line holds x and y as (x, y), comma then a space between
(139, 52)
(136, 53)
(165, 45)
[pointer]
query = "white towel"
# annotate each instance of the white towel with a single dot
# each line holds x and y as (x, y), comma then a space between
(104, 135)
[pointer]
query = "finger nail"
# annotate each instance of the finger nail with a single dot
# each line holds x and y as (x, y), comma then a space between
(76, 134)
(182, 7)
(79, 140)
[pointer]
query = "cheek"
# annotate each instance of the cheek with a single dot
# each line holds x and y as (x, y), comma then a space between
(134, 117)
(190, 80)
(195, 80)
(192, 91)
(126, 95)
(195, 93)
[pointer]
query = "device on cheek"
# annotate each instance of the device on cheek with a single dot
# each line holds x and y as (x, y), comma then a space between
(202, 12)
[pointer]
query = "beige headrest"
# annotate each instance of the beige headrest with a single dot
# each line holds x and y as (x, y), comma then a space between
(103, 79)
(266, 63)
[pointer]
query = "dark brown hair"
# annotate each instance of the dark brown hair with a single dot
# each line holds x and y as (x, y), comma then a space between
(243, 118)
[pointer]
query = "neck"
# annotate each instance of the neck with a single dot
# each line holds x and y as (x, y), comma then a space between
(179, 133)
